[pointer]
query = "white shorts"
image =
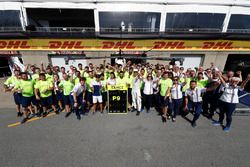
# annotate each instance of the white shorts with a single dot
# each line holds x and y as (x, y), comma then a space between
(97, 99)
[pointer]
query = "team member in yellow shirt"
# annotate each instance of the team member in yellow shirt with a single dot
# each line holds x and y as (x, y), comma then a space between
(9, 84)
(43, 92)
(165, 84)
(26, 86)
(67, 86)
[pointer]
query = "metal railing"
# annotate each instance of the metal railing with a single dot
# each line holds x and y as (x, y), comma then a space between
(238, 30)
(118, 30)
(212, 30)
(65, 29)
(11, 29)
(129, 30)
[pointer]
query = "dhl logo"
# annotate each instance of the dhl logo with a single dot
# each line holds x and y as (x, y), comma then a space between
(97, 44)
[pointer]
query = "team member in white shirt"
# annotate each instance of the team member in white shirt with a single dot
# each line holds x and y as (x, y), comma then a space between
(78, 94)
(136, 92)
(175, 97)
(148, 92)
(96, 87)
(229, 99)
(193, 100)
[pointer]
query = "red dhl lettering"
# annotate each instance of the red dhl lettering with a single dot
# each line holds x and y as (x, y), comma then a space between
(217, 45)
(117, 45)
(169, 45)
(14, 45)
(65, 45)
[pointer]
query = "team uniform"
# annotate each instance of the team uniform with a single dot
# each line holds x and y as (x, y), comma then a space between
(79, 90)
(27, 89)
(227, 103)
(176, 99)
(164, 85)
(11, 82)
(45, 94)
(195, 102)
(67, 88)
(136, 93)
(97, 96)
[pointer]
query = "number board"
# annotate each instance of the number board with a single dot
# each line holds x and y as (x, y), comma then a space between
(117, 99)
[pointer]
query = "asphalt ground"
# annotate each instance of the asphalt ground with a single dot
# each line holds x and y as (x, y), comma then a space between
(120, 141)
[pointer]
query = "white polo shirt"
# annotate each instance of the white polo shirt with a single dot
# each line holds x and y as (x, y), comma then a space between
(176, 92)
(148, 87)
(230, 94)
(78, 89)
(195, 95)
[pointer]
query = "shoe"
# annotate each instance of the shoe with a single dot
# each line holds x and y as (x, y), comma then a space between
(19, 114)
(147, 111)
(57, 112)
(78, 117)
(67, 114)
(168, 117)
(194, 124)
(226, 129)
(45, 114)
(24, 120)
(142, 110)
(133, 110)
(137, 113)
(173, 120)
(216, 123)
(38, 114)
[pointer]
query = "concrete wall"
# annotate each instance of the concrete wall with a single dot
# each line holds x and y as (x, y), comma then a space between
(35, 57)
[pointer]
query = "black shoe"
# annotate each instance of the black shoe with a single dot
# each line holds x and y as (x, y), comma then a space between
(24, 120)
(38, 114)
(78, 117)
(45, 114)
(67, 114)
(19, 114)
(57, 112)
(138, 113)
(194, 124)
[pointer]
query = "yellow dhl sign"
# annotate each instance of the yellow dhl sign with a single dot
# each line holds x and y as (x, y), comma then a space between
(126, 45)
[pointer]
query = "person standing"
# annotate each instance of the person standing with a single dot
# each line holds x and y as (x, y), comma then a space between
(43, 92)
(96, 87)
(165, 84)
(78, 94)
(229, 99)
(9, 85)
(136, 92)
(26, 86)
(148, 92)
(193, 100)
(67, 86)
(175, 97)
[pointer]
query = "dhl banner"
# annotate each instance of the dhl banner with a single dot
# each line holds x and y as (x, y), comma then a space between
(126, 45)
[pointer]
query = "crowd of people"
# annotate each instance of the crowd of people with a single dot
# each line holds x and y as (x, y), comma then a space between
(170, 89)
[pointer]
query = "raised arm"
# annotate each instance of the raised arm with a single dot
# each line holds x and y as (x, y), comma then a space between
(243, 84)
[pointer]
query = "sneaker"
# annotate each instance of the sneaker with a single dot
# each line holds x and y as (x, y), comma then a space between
(45, 114)
(226, 129)
(78, 117)
(173, 120)
(194, 124)
(67, 114)
(19, 114)
(38, 114)
(138, 113)
(24, 120)
(168, 117)
(216, 123)
(57, 112)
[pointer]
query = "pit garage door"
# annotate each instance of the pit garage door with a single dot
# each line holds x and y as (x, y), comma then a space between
(60, 61)
(190, 61)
